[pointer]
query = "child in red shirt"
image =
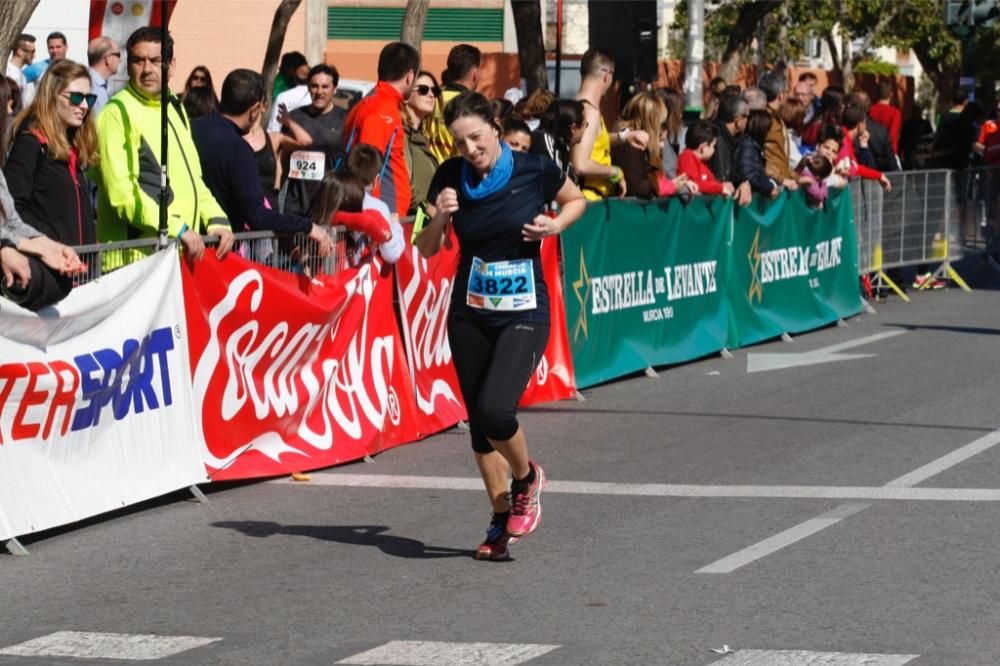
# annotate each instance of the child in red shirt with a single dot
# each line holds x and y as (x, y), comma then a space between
(693, 160)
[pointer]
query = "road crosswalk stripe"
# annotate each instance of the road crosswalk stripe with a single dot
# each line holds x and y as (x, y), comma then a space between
(98, 645)
(807, 658)
(439, 653)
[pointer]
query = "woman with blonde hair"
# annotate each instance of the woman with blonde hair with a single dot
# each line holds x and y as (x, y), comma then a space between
(419, 112)
(643, 169)
(55, 142)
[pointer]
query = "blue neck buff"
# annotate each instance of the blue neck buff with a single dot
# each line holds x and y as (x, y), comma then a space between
(495, 180)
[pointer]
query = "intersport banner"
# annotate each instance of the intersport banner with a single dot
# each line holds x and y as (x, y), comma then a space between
(795, 268)
(425, 287)
(95, 400)
(645, 284)
(292, 373)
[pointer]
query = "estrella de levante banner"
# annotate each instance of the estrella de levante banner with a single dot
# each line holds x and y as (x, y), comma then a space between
(645, 284)
(794, 267)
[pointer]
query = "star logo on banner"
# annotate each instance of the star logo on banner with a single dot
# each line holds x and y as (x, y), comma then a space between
(581, 287)
(756, 288)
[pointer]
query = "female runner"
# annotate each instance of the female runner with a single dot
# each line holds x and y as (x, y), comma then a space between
(498, 324)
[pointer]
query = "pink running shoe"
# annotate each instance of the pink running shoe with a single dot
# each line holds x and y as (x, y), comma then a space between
(526, 507)
(495, 546)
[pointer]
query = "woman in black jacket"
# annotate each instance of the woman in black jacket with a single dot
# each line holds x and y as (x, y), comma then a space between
(750, 166)
(561, 128)
(55, 142)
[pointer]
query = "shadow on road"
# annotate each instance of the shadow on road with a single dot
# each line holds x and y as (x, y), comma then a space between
(974, 330)
(354, 535)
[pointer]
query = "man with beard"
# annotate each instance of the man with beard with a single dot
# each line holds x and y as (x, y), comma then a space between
(303, 169)
(229, 166)
(376, 120)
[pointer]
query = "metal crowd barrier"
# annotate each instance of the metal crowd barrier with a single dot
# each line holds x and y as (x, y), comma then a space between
(978, 208)
(922, 221)
(296, 254)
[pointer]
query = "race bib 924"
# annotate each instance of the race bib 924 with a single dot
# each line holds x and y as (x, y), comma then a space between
(307, 165)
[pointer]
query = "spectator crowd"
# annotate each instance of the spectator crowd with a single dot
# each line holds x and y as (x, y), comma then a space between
(81, 162)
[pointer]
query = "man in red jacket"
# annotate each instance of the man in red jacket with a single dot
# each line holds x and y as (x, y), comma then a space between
(693, 161)
(376, 120)
(887, 115)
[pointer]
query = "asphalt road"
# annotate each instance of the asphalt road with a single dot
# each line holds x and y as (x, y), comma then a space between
(782, 510)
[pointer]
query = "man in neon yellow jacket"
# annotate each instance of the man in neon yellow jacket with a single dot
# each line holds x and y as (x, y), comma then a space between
(129, 168)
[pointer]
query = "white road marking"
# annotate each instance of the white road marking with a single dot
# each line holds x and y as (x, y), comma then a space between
(946, 461)
(95, 645)
(918, 475)
(437, 653)
(762, 362)
(661, 489)
(807, 658)
(782, 539)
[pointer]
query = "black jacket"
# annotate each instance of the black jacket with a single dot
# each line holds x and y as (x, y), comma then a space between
(724, 159)
(750, 167)
(51, 195)
(880, 146)
(229, 168)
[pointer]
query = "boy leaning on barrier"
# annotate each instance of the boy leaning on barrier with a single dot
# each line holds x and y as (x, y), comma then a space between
(364, 163)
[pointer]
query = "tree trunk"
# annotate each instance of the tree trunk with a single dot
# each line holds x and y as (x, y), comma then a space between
(282, 15)
(530, 43)
(831, 44)
(944, 77)
(742, 36)
(847, 62)
(413, 23)
(14, 15)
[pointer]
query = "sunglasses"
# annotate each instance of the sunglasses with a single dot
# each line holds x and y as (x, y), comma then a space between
(77, 98)
(423, 90)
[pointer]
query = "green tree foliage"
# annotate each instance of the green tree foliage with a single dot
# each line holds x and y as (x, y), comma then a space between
(852, 30)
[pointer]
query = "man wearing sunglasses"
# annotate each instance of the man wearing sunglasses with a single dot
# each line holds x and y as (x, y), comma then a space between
(128, 131)
(104, 57)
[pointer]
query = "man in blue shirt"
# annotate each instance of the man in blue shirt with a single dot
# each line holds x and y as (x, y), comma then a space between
(104, 56)
(229, 166)
(56, 43)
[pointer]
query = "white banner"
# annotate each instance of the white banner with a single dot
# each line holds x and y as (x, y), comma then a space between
(96, 410)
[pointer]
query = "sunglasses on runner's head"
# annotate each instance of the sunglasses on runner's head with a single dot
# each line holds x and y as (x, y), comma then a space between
(76, 98)
(423, 90)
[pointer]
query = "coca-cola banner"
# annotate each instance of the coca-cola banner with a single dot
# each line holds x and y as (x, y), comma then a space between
(95, 400)
(554, 378)
(292, 373)
(424, 294)
(425, 287)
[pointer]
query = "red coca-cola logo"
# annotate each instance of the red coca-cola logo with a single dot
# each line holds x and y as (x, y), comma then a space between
(283, 378)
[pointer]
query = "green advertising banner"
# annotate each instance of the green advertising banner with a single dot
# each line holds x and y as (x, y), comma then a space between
(645, 284)
(794, 267)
